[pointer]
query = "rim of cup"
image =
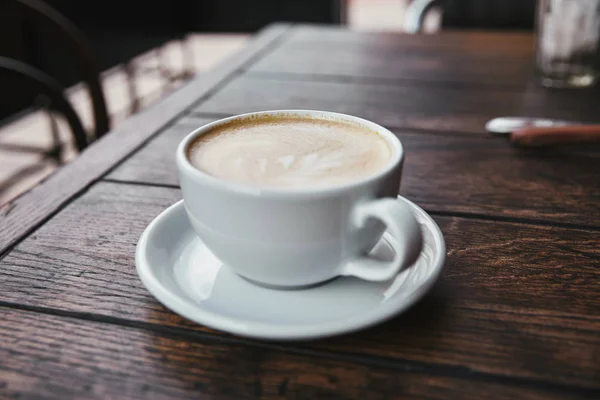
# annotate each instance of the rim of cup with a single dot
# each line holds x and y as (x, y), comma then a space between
(185, 166)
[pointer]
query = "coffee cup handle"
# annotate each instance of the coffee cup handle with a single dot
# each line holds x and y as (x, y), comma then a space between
(402, 224)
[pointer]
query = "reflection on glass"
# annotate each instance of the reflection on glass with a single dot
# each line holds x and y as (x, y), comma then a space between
(567, 42)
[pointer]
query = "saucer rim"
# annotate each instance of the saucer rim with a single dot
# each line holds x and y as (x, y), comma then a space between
(259, 330)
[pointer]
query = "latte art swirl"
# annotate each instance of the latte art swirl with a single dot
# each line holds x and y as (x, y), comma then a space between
(290, 152)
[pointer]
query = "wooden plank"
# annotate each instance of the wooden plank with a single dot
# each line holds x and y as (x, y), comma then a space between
(20, 216)
(448, 173)
(469, 57)
(159, 151)
(514, 300)
(475, 175)
(44, 356)
(424, 106)
(508, 43)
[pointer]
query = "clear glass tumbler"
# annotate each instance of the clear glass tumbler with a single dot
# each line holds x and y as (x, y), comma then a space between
(568, 33)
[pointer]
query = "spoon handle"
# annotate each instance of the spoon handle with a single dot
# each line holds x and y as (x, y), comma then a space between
(546, 136)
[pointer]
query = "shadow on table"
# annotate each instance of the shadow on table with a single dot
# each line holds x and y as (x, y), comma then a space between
(193, 362)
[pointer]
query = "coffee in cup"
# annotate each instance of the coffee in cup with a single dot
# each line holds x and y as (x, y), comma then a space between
(293, 198)
(290, 152)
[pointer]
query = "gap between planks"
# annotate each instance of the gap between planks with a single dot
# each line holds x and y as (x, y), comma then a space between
(369, 80)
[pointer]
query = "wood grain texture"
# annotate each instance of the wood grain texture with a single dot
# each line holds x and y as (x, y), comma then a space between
(43, 356)
(432, 107)
(514, 300)
(448, 173)
(24, 213)
(479, 175)
(455, 41)
(160, 151)
(473, 57)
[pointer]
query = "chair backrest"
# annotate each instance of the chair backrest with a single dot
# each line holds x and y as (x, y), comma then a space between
(473, 14)
(45, 18)
(489, 14)
(36, 82)
(24, 83)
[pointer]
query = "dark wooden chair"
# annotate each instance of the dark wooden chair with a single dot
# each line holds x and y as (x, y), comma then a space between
(67, 35)
(473, 14)
(45, 91)
(38, 83)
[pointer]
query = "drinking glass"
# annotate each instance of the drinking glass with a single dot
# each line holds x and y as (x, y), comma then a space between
(568, 33)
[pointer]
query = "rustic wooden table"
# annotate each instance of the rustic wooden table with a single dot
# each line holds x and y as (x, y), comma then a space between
(515, 314)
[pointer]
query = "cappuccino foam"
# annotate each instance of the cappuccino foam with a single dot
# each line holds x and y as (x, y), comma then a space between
(290, 152)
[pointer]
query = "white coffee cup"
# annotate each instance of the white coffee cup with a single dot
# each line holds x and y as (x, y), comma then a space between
(300, 237)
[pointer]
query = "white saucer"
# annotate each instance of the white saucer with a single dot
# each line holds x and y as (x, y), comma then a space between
(178, 269)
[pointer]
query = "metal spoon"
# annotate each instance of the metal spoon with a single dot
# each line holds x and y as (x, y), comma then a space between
(506, 125)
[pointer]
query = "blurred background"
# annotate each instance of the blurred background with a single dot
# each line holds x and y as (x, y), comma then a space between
(70, 70)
